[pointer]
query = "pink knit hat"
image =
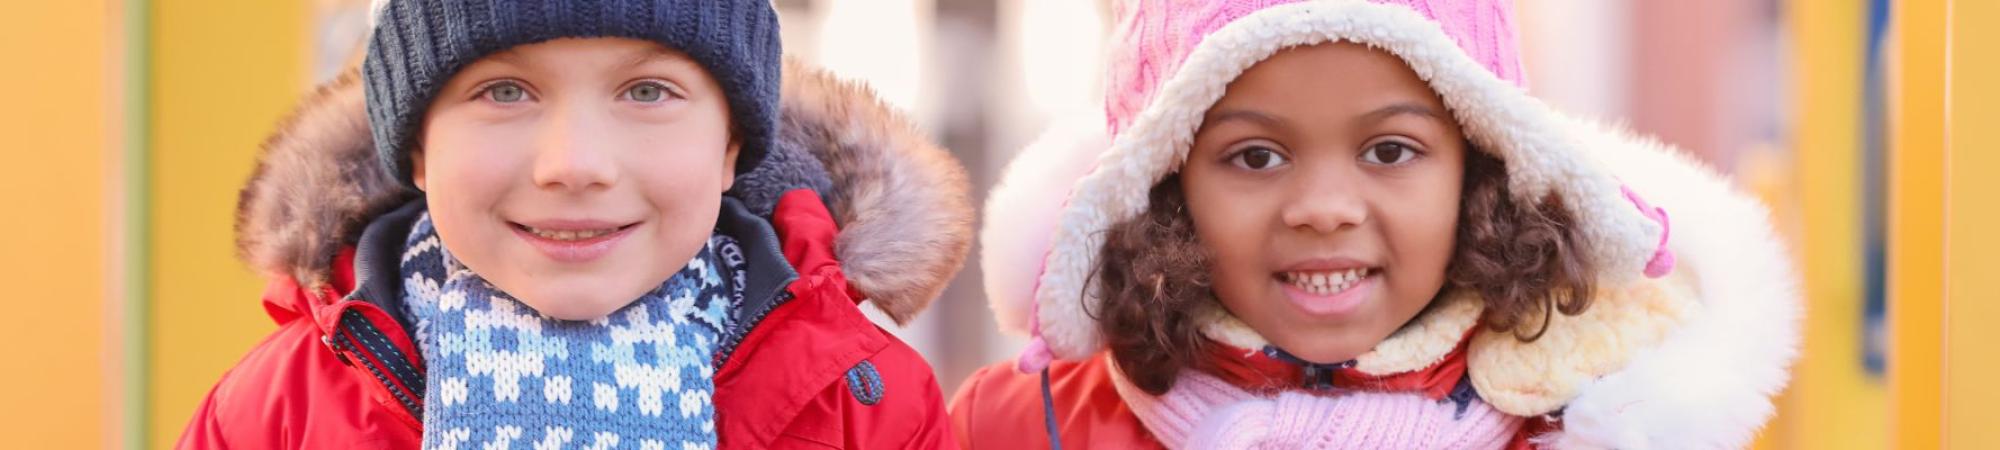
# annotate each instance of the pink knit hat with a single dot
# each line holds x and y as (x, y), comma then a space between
(1153, 38)
(1170, 60)
(1613, 371)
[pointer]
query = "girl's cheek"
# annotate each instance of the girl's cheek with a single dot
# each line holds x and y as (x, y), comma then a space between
(1431, 234)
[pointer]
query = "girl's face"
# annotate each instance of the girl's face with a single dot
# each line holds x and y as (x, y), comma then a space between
(577, 174)
(1325, 187)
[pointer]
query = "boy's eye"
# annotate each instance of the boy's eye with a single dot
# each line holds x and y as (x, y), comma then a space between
(1388, 153)
(647, 92)
(506, 92)
(1258, 158)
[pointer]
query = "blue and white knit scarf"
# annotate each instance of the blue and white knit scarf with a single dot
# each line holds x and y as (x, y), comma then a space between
(501, 375)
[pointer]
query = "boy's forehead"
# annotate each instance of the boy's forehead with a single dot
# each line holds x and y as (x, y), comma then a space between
(625, 52)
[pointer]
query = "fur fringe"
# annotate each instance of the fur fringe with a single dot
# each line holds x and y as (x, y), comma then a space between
(902, 202)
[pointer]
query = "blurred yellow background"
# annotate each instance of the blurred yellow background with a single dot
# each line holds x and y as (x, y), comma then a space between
(1872, 128)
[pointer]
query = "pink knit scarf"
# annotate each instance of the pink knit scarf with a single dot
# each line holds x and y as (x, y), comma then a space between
(1204, 412)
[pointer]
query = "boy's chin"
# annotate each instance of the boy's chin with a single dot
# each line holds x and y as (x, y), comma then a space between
(575, 308)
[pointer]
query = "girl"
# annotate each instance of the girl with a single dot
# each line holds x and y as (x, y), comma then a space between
(1343, 224)
(590, 226)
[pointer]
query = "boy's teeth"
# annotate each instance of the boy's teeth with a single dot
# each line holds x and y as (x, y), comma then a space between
(570, 235)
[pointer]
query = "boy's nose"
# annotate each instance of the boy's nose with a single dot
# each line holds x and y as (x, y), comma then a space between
(1324, 201)
(568, 156)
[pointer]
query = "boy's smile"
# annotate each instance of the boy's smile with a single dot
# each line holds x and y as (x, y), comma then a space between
(573, 241)
(577, 174)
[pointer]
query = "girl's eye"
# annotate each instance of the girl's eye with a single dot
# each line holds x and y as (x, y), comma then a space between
(1258, 158)
(1388, 153)
(506, 92)
(647, 92)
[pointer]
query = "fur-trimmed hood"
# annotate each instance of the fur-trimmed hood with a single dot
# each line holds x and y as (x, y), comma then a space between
(901, 202)
(1695, 325)
(1690, 360)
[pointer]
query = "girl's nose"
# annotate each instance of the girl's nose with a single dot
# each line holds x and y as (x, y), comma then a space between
(1325, 201)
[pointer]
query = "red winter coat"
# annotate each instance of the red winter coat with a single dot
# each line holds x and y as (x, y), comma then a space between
(341, 370)
(1000, 408)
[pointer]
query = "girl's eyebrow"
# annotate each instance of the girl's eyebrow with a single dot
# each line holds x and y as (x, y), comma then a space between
(1243, 115)
(1378, 115)
(1402, 108)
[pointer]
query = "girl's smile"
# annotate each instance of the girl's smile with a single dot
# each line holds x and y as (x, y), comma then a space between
(1328, 287)
(1324, 187)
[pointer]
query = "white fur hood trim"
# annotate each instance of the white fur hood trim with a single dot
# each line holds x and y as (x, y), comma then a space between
(1704, 380)
(1499, 117)
(1710, 381)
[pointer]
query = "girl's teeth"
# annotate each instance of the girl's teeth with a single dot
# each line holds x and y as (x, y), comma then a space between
(1325, 283)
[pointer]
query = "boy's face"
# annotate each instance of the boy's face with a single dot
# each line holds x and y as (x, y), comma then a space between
(577, 174)
(1325, 186)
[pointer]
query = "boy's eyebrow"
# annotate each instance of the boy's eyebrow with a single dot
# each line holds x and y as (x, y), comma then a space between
(508, 56)
(651, 53)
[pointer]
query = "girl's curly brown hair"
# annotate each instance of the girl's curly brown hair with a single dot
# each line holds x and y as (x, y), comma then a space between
(1525, 261)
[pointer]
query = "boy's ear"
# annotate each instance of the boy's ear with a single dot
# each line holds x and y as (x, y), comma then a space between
(728, 164)
(417, 168)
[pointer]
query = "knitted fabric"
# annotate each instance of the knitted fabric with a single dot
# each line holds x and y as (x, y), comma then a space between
(418, 45)
(1203, 412)
(1154, 37)
(502, 374)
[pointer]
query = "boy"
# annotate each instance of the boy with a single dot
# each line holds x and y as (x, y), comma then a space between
(583, 226)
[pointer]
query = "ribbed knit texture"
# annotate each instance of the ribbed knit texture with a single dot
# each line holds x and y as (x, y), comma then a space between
(419, 44)
(1153, 37)
(501, 375)
(1203, 412)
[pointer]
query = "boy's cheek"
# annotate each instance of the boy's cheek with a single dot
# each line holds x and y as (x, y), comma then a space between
(684, 168)
(476, 158)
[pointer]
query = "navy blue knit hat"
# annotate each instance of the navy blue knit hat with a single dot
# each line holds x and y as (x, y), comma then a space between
(419, 44)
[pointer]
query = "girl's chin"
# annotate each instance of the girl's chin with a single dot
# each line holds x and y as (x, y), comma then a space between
(1323, 354)
(1325, 343)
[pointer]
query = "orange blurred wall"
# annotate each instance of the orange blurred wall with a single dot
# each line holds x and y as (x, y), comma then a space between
(222, 73)
(58, 134)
